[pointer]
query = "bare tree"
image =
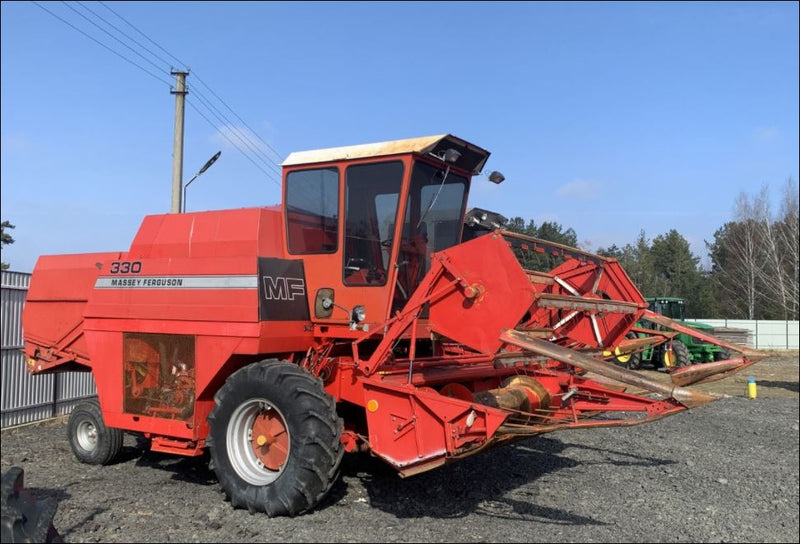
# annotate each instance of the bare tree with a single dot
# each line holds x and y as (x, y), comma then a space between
(737, 257)
(770, 275)
(756, 256)
(779, 238)
(787, 234)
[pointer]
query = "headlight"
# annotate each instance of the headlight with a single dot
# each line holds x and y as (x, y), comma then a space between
(359, 314)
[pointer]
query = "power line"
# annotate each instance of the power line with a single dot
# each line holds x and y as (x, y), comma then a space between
(123, 33)
(269, 174)
(103, 45)
(180, 62)
(239, 118)
(242, 137)
(142, 33)
(277, 154)
(114, 37)
(239, 134)
(252, 148)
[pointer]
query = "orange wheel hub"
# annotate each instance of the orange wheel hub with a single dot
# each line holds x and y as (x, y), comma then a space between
(270, 439)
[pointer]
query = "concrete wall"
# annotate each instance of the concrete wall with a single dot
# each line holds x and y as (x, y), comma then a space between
(763, 334)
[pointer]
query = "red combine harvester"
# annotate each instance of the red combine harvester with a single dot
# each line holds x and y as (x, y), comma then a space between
(351, 318)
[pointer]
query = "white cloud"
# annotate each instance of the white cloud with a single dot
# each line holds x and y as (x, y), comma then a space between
(580, 189)
(15, 142)
(767, 134)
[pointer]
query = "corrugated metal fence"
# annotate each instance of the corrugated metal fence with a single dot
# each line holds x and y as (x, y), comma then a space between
(27, 398)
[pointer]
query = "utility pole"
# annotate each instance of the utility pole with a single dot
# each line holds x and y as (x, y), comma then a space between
(177, 147)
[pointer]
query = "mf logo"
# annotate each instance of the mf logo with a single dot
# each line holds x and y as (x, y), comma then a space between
(279, 288)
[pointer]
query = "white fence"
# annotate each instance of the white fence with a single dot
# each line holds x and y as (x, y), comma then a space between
(763, 334)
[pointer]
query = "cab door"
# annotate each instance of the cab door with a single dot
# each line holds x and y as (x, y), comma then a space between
(341, 222)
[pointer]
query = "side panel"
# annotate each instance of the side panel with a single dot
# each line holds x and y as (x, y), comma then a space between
(195, 289)
(164, 335)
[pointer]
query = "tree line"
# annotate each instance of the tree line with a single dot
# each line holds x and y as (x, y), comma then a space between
(755, 260)
(755, 266)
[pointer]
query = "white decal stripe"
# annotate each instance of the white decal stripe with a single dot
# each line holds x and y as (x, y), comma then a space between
(176, 282)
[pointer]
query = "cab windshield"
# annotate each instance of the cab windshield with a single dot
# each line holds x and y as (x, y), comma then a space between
(431, 222)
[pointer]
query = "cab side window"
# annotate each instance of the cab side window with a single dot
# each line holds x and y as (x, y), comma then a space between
(312, 210)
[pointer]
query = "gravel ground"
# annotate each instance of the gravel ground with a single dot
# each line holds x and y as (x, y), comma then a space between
(725, 472)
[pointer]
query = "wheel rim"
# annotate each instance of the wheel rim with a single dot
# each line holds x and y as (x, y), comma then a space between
(86, 434)
(258, 441)
(622, 357)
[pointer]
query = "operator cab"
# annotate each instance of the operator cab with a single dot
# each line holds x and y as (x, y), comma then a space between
(671, 307)
(375, 213)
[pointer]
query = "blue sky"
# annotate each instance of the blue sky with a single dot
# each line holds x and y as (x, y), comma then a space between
(609, 118)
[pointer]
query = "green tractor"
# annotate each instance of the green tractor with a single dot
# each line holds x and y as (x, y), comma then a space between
(685, 349)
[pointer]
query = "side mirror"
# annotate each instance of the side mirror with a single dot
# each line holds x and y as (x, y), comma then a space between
(496, 177)
(323, 305)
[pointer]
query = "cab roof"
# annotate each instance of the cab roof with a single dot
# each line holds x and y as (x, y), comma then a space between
(472, 157)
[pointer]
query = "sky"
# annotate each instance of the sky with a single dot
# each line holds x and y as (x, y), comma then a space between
(613, 119)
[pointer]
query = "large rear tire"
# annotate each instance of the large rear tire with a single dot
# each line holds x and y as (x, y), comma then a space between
(275, 439)
(91, 441)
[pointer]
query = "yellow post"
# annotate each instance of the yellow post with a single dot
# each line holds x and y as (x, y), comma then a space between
(751, 387)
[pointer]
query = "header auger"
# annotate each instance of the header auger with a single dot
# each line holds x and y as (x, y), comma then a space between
(350, 318)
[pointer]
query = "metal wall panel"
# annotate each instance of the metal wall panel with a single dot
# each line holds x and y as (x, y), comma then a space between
(25, 398)
(14, 288)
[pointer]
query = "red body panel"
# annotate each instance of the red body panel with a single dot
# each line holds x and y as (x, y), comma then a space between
(56, 304)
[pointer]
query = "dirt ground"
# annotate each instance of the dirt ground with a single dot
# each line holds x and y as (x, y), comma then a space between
(725, 472)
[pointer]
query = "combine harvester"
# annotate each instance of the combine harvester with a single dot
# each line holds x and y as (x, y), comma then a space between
(350, 318)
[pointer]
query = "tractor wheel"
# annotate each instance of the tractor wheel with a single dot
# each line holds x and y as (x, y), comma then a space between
(275, 439)
(722, 355)
(679, 357)
(26, 519)
(632, 361)
(91, 441)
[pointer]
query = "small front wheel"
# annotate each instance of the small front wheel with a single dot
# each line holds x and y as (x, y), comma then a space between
(722, 355)
(91, 441)
(679, 357)
(632, 361)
